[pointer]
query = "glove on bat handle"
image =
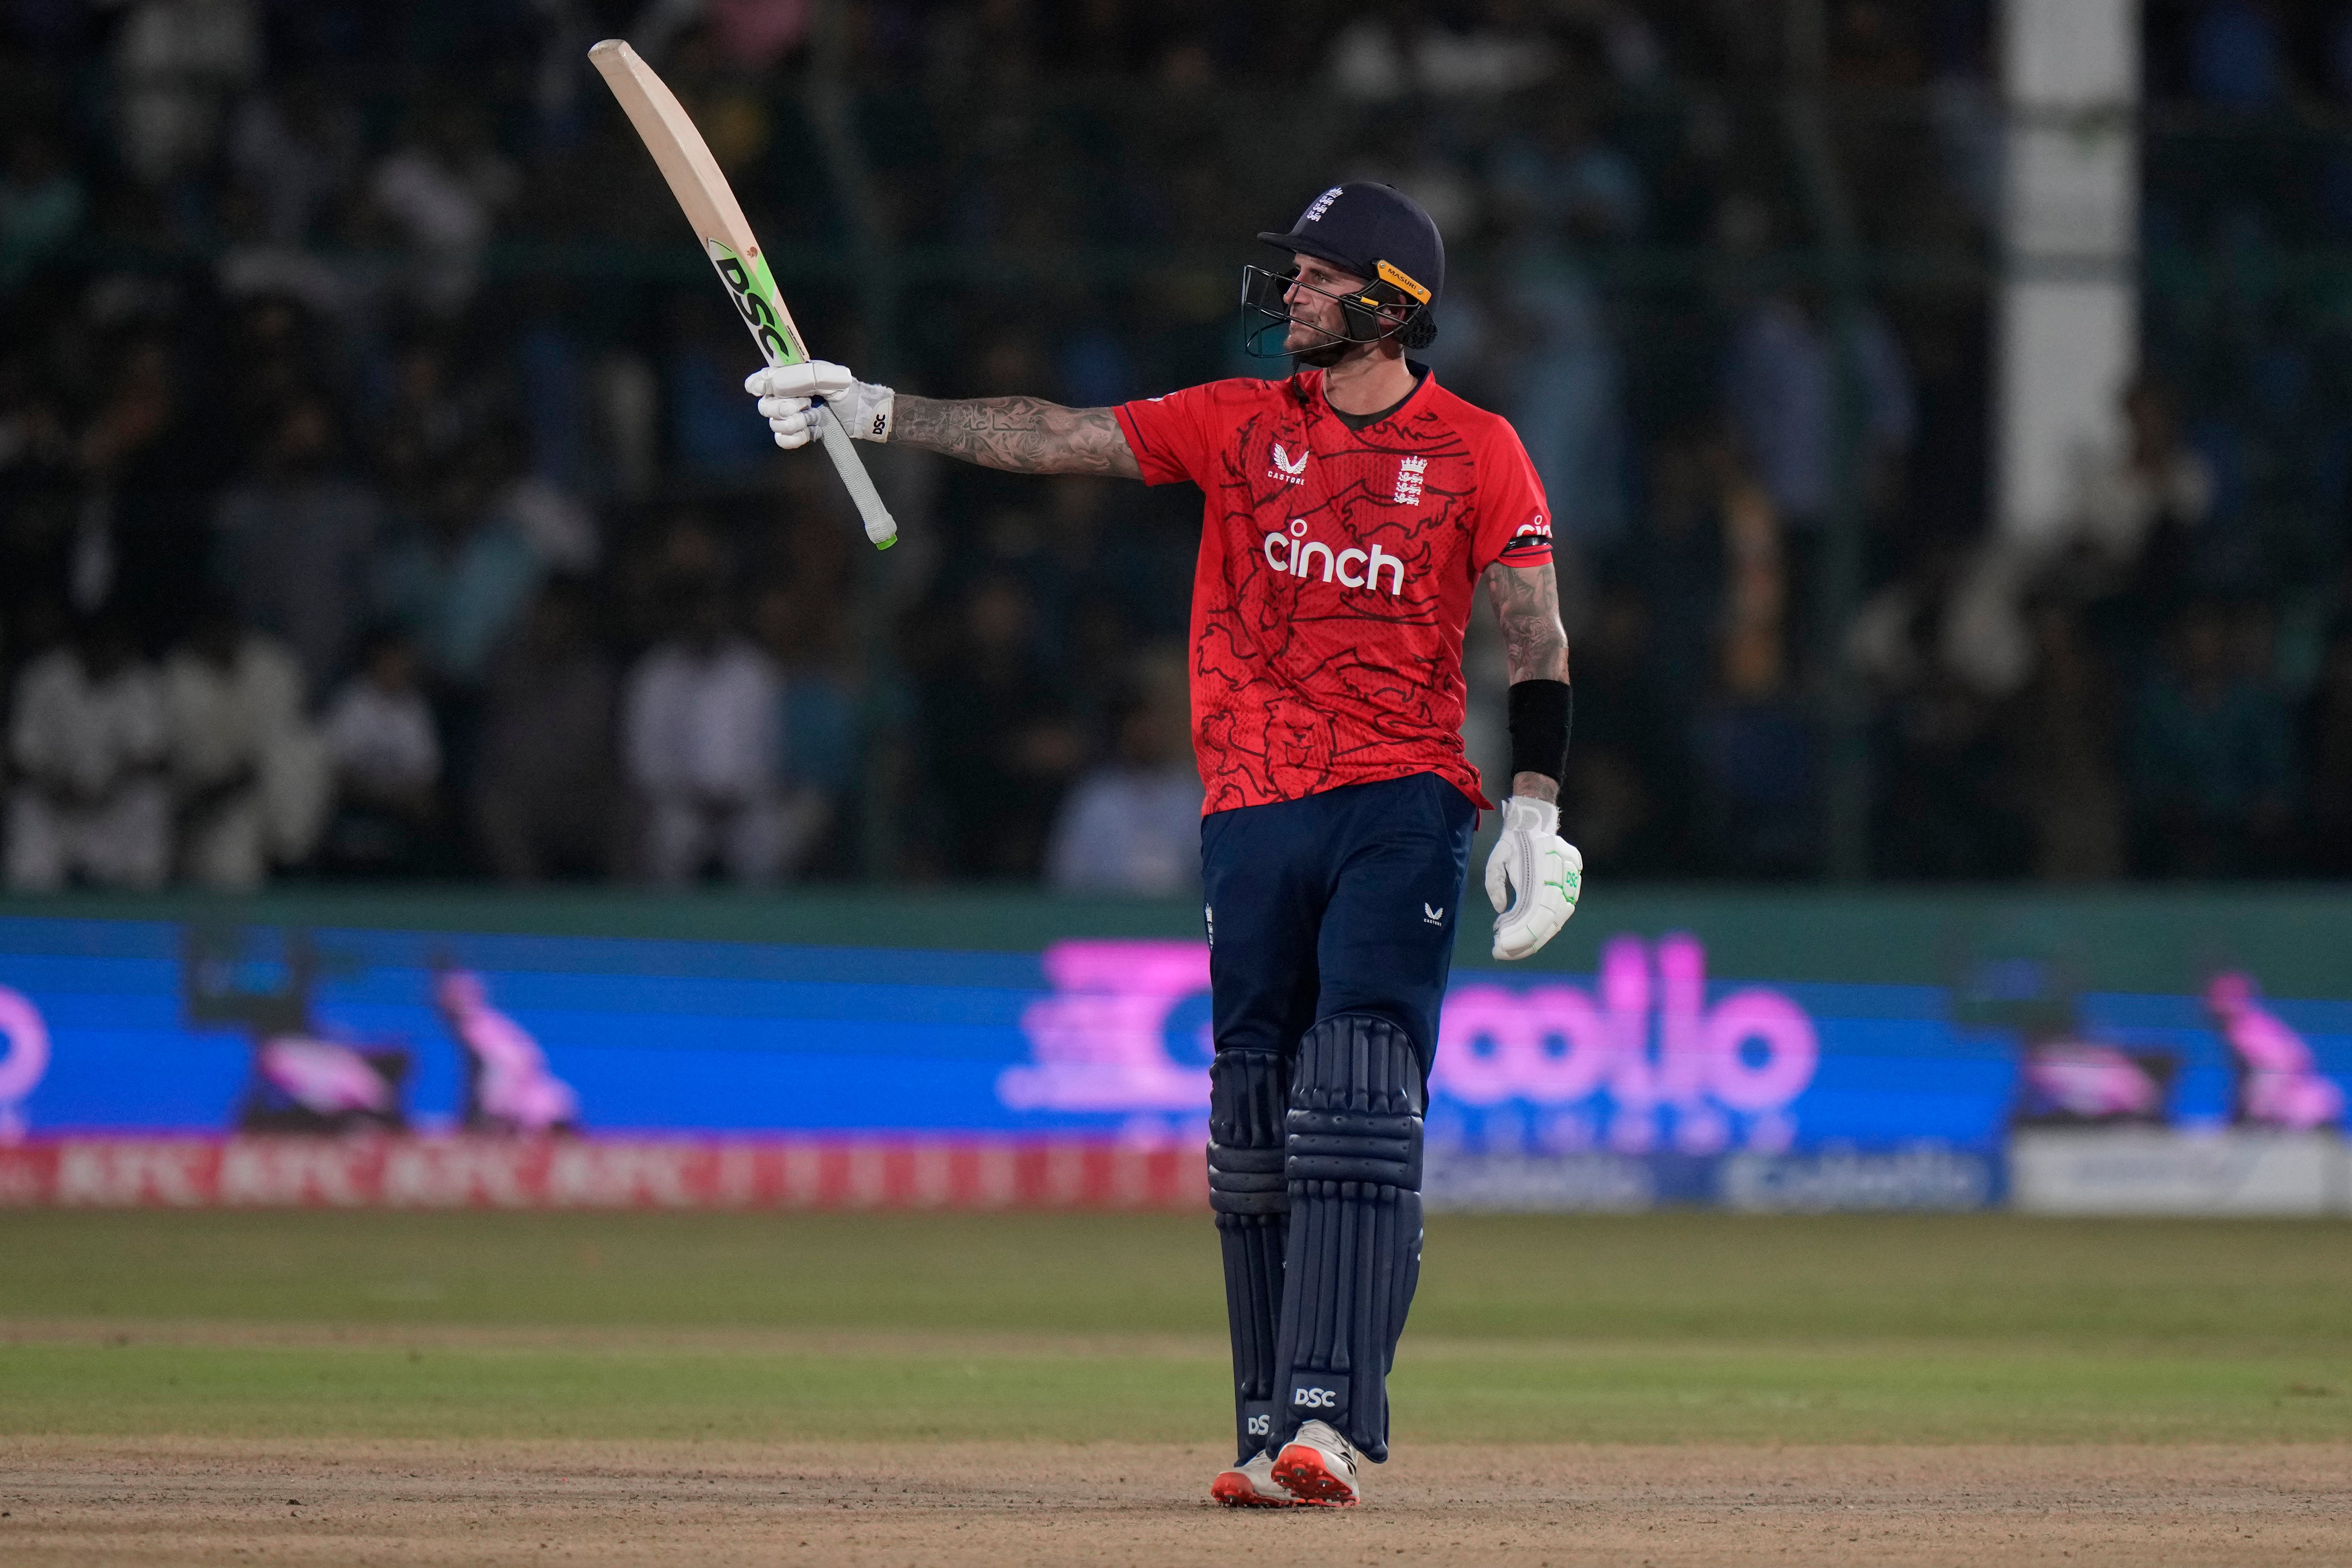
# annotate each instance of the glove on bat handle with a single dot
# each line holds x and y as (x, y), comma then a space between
(879, 526)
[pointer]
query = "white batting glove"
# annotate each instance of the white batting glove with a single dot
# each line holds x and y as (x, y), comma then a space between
(786, 393)
(1544, 870)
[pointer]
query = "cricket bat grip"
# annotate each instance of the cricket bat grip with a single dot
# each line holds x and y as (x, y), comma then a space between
(879, 526)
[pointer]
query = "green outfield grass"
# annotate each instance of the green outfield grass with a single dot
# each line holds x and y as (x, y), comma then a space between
(1665, 1328)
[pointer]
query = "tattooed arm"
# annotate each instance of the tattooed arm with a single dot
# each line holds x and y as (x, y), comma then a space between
(1527, 601)
(1025, 434)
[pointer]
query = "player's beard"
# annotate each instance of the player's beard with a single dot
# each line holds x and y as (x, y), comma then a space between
(1324, 353)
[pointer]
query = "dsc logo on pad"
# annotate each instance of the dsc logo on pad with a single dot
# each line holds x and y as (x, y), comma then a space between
(1314, 1398)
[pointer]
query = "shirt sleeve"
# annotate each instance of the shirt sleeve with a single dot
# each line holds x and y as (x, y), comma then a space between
(1169, 435)
(1513, 523)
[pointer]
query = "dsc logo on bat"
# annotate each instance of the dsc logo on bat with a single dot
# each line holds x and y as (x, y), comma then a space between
(755, 311)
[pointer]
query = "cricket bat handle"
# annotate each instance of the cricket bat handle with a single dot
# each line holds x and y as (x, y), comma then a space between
(879, 526)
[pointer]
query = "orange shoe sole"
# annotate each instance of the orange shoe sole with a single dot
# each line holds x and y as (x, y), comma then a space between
(1301, 1471)
(1235, 1490)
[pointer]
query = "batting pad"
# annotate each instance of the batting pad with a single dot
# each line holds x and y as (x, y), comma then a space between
(1352, 1163)
(1248, 1096)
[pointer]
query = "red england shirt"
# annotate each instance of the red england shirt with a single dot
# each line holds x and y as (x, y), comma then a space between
(1336, 576)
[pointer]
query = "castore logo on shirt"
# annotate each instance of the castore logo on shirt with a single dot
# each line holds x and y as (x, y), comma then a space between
(1288, 471)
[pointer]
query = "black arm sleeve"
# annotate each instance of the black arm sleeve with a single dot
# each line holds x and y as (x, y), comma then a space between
(1541, 712)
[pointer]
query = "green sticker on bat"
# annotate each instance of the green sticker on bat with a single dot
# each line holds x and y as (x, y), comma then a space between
(756, 301)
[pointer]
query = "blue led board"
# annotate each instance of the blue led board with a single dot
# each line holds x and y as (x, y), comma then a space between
(145, 1026)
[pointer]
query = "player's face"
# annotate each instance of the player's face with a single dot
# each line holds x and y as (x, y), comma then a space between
(1317, 325)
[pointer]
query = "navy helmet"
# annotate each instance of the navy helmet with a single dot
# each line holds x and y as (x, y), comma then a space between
(1382, 235)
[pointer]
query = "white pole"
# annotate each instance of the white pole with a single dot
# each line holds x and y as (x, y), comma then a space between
(2067, 321)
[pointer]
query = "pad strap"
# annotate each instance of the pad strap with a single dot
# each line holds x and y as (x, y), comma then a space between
(1246, 1095)
(1355, 1105)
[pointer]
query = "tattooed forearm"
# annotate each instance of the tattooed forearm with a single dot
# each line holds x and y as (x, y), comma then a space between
(1527, 601)
(1025, 434)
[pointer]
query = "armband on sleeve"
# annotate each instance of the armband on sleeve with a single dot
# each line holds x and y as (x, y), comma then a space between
(1541, 711)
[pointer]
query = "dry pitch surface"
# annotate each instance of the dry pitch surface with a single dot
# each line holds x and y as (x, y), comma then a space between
(242, 1389)
(207, 1502)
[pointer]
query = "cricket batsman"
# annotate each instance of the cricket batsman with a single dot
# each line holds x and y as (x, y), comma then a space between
(1354, 507)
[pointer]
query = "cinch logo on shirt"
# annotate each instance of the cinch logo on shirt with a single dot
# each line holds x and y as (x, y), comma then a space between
(1288, 471)
(1293, 553)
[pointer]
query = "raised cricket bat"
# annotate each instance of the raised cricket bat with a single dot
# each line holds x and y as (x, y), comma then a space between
(718, 219)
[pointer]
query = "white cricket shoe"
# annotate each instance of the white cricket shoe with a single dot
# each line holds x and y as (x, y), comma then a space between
(1251, 1485)
(1318, 1467)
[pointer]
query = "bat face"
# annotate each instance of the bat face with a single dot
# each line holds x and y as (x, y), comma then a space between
(702, 193)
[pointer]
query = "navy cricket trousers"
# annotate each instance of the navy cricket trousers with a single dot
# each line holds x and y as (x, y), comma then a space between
(1339, 902)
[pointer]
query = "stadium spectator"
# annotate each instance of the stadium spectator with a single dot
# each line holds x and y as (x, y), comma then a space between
(253, 267)
(2210, 753)
(387, 759)
(297, 146)
(2065, 729)
(1949, 805)
(88, 738)
(178, 64)
(296, 544)
(702, 384)
(1674, 564)
(1132, 824)
(800, 627)
(700, 739)
(2144, 492)
(1569, 176)
(1562, 388)
(459, 576)
(442, 190)
(2327, 750)
(2124, 548)
(1630, 787)
(546, 787)
(41, 204)
(1392, 53)
(1003, 741)
(250, 777)
(1781, 381)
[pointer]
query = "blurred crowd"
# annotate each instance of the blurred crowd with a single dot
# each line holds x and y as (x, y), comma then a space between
(377, 497)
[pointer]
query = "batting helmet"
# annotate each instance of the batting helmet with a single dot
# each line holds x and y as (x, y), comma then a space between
(1376, 232)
